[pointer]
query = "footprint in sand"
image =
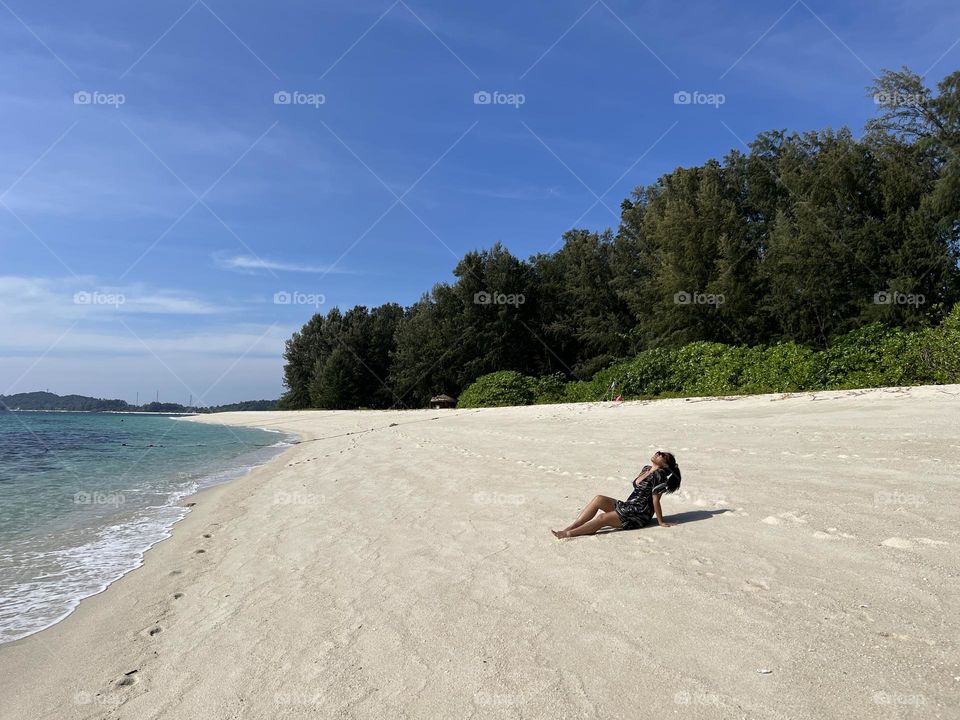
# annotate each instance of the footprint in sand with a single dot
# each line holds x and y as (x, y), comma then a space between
(755, 585)
(128, 679)
(151, 631)
(198, 552)
(792, 516)
(928, 541)
(207, 535)
(176, 572)
(177, 596)
(896, 542)
(832, 534)
(905, 544)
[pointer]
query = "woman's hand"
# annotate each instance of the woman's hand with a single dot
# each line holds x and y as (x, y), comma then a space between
(656, 508)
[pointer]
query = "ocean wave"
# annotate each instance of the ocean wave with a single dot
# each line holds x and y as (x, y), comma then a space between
(43, 578)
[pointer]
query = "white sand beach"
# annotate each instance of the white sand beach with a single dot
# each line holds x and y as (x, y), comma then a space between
(400, 565)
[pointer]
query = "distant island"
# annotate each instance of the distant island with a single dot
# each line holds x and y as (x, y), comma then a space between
(81, 403)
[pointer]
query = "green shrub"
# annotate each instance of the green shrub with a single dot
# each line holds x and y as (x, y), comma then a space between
(580, 391)
(705, 368)
(549, 388)
(857, 359)
(939, 350)
(871, 356)
(785, 367)
(646, 375)
(498, 389)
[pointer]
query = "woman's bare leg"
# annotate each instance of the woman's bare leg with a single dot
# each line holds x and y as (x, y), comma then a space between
(599, 503)
(606, 519)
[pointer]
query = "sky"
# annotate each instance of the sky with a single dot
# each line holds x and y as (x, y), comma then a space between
(185, 183)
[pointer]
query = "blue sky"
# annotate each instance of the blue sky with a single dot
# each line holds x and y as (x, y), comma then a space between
(148, 223)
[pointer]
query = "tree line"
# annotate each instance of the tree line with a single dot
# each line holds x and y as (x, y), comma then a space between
(77, 403)
(801, 238)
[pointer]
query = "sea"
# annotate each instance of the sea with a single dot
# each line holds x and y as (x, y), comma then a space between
(84, 495)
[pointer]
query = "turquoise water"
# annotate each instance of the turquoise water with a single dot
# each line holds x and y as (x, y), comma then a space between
(84, 495)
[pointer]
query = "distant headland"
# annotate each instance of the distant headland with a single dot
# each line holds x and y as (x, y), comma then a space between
(80, 403)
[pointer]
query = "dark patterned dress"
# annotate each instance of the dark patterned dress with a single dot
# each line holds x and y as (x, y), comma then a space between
(636, 510)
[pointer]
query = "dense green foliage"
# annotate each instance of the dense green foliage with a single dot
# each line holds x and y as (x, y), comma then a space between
(244, 406)
(781, 252)
(506, 387)
(50, 401)
(871, 356)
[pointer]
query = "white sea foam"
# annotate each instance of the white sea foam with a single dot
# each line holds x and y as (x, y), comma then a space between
(44, 577)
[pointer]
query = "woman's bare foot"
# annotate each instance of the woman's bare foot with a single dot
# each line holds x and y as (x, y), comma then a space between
(560, 534)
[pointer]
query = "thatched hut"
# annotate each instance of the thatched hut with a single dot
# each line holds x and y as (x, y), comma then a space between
(439, 402)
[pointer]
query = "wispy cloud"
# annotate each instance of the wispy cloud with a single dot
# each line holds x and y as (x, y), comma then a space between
(74, 335)
(252, 264)
(85, 297)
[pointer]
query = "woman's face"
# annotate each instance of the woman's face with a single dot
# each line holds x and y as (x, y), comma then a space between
(658, 459)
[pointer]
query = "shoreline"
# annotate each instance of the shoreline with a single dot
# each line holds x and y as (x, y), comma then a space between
(225, 472)
(319, 595)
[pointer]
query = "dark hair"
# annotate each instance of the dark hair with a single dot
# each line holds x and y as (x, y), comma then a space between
(673, 471)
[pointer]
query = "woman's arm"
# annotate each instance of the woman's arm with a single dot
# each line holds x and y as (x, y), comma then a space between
(656, 508)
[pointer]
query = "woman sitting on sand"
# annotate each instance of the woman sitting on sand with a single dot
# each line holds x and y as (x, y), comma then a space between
(663, 476)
